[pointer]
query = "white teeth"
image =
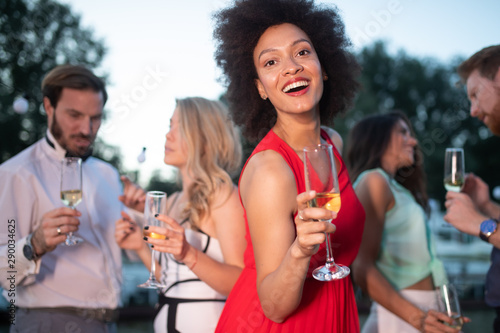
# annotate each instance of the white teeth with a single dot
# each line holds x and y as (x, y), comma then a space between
(295, 85)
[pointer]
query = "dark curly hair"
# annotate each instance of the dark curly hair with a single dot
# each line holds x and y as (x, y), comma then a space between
(237, 31)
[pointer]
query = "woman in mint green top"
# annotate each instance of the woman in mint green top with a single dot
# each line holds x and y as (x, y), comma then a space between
(407, 254)
(396, 264)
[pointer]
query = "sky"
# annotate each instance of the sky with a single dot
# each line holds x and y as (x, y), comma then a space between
(160, 50)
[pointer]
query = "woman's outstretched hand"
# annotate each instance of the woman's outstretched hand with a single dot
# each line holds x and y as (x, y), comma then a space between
(128, 234)
(133, 196)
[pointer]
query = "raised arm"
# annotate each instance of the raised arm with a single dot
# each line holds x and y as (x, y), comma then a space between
(227, 215)
(479, 192)
(133, 195)
(282, 249)
(20, 209)
(462, 213)
(128, 236)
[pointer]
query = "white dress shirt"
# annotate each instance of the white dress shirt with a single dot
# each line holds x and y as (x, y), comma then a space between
(87, 275)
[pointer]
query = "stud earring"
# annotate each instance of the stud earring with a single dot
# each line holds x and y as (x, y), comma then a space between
(264, 97)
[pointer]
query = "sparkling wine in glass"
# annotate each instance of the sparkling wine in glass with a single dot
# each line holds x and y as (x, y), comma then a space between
(321, 176)
(448, 302)
(454, 170)
(155, 204)
(71, 190)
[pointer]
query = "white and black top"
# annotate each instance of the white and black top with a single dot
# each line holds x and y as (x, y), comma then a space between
(188, 304)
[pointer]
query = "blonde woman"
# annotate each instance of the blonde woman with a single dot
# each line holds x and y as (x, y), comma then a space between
(202, 256)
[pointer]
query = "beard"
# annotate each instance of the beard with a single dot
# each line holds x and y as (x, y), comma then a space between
(494, 126)
(58, 134)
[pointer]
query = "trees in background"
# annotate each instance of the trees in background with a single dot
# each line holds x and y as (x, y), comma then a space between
(429, 93)
(35, 36)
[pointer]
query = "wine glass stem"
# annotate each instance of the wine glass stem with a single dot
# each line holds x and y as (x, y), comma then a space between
(70, 233)
(152, 275)
(329, 257)
(329, 254)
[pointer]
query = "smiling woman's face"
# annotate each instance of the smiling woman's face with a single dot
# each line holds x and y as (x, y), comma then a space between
(401, 149)
(288, 69)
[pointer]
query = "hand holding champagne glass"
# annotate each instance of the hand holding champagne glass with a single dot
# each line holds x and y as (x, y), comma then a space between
(454, 170)
(71, 189)
(449, 304)
(155, 204)
(321, 176)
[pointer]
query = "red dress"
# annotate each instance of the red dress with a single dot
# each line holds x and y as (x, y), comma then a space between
(325, 306)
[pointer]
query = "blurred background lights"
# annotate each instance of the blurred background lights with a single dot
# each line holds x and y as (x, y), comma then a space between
(496, 192)
(20, 105)
(142, 156)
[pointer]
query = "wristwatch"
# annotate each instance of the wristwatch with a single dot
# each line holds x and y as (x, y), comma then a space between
(28, 250)
(488, 228)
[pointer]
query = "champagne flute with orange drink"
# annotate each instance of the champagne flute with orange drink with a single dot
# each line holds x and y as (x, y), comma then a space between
(155, 204)
(321, 176)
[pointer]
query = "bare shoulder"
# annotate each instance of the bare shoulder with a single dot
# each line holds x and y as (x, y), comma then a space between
(222, 194)
(225, 197)
(267, 169)
(226, 209)
(373, 187)
(268, 184)
(335, 137)
(229, 224)
(373, 180)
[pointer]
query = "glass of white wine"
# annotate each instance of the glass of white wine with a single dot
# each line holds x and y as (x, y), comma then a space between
(321, 176)
(71, 190)
(454, 169)
(156, 203)
(448, 302)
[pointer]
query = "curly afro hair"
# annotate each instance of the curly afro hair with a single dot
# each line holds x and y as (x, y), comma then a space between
(237, 32)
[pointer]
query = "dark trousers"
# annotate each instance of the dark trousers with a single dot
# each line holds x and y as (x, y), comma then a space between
(496, 322)
(41, 321)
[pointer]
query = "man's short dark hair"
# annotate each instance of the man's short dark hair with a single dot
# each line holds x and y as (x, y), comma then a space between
(74, 77)
(487, 61)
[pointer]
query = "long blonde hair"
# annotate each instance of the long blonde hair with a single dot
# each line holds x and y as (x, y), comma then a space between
(214, 152)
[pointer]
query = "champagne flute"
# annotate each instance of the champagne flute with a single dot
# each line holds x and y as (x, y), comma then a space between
(71, 190)
(155, 204)
(448, 303)
(454, 170)
(321, 176)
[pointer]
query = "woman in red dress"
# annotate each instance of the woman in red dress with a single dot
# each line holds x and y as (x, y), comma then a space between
(288, 74)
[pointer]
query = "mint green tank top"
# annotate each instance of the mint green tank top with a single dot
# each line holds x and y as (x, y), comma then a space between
(407, 252)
